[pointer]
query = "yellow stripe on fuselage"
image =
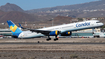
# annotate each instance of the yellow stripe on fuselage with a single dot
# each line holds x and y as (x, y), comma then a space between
(13, 28)
(56, 32)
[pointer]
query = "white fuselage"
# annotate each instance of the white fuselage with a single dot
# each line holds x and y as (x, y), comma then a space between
(64, 28)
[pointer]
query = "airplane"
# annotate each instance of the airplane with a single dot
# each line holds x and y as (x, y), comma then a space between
(62, 30)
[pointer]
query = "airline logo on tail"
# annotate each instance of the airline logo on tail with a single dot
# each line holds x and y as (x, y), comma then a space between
(13, 28)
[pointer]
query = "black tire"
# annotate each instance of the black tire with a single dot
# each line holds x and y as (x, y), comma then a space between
(48, 39)
(98, 36)
(55, 39)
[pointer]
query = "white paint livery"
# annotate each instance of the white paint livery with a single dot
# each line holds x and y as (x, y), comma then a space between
(61, 28)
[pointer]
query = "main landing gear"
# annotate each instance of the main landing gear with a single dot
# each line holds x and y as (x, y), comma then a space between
(55, 38)
(50, 38)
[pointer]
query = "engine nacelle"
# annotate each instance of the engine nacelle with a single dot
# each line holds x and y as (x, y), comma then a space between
(54, 33)
(66, 34)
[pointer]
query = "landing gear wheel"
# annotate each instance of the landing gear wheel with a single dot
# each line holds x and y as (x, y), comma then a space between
(55, 39)
(48, 39)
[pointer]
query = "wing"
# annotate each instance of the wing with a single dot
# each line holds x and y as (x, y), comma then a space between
(45, 32)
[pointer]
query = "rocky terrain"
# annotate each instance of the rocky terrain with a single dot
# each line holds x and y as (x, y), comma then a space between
(16, 13)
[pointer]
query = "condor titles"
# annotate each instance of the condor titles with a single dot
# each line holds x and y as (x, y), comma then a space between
(82, 24)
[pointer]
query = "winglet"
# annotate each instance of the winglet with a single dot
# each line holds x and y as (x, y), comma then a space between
(20, 25)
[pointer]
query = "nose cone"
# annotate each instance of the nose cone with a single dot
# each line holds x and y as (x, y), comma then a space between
(102, 24)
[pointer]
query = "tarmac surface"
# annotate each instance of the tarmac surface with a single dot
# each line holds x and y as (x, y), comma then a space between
(33, 43)
(71, 44)
(73, 40)
(64, 48)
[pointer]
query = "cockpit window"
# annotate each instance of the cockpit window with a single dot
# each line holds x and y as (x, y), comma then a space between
(98, 22)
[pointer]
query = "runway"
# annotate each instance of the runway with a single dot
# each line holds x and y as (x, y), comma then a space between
(34, 43)
(41, 41)
(63, 44)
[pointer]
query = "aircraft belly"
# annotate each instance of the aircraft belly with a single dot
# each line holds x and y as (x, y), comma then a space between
(32, 36)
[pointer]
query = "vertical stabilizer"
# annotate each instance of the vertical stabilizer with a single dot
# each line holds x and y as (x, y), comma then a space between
(14, 29)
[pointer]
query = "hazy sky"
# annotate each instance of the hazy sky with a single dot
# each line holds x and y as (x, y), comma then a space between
(35, 4)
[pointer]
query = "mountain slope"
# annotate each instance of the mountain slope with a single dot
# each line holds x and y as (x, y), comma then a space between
(95, 8)
(17, 14)
(11, 7)
(16, 17)
(84, 6)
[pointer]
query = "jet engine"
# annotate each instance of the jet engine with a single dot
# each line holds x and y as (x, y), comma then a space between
(54, 33)
(66, 33)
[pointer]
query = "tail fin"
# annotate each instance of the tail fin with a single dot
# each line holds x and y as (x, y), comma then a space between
(14, 29)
